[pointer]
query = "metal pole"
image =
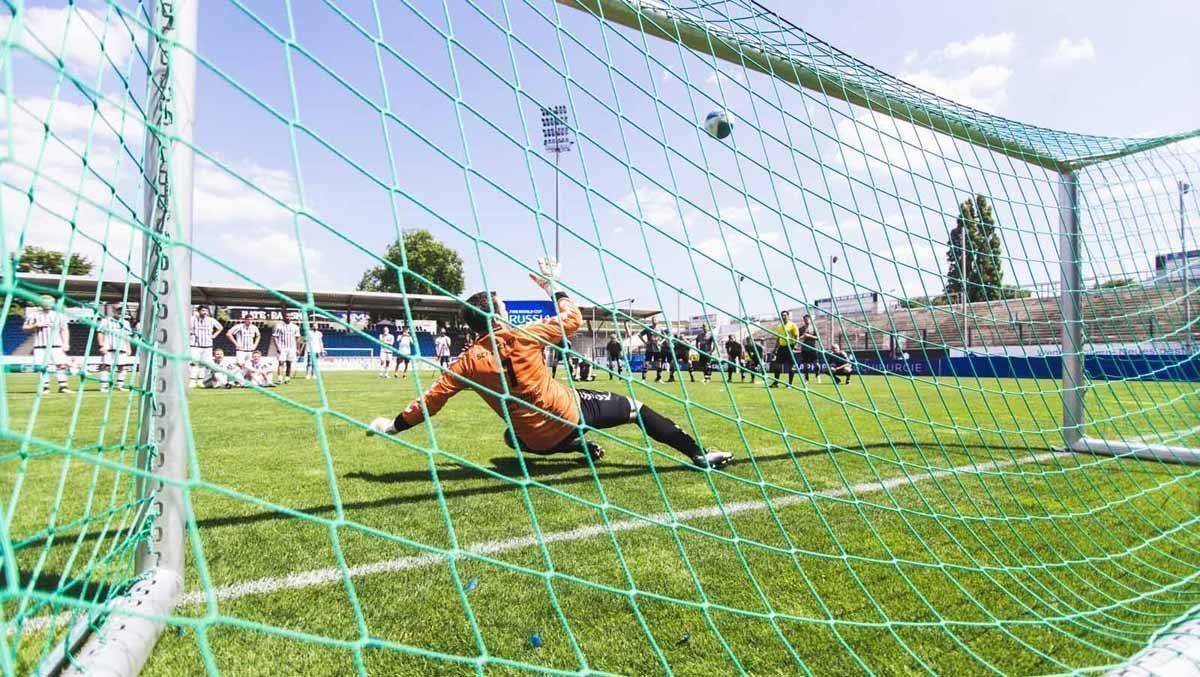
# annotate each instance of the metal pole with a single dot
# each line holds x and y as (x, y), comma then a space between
(1187, 266)
(556, 222)
(963, 273)
(1072, 332)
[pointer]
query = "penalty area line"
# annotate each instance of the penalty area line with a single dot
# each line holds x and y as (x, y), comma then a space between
(314, 577)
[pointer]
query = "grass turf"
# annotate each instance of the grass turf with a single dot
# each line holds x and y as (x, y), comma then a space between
(832, 549)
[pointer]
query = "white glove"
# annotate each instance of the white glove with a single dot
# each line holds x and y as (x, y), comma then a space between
(550, 271)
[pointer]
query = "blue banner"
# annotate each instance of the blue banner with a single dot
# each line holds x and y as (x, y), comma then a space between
(524, 312)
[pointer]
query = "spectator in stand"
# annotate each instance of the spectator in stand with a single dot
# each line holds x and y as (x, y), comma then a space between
(50, 339)
(245, 337)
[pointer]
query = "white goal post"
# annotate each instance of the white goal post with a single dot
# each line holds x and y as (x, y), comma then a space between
(118, 640)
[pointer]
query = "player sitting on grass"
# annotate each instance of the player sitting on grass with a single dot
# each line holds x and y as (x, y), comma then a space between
(546, 415)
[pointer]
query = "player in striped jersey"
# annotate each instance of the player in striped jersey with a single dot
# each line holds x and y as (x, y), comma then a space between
(245, 337)
(387, 351)
(204, 329)
(114, 332)
(284, 337)
(50, 338)
(314, 348)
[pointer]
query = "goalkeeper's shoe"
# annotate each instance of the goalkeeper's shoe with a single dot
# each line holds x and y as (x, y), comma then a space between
(595, 452)
(713, 459)
(382, 426)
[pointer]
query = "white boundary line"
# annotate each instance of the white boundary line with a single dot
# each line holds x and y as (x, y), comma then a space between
(306, 579)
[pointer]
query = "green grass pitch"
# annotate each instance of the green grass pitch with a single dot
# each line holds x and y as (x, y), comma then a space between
(898, 526)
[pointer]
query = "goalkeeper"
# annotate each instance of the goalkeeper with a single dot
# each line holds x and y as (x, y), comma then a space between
(547, 416)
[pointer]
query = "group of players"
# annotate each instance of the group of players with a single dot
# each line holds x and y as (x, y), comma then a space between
(248, 365)
(797, 349)
(51, 332)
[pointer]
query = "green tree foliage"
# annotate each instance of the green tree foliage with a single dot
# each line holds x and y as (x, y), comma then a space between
(426, 257)
(48, 261)
(1116, 284)
(984, 272)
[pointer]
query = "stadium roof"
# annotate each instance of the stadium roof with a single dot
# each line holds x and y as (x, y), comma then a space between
(84, 289)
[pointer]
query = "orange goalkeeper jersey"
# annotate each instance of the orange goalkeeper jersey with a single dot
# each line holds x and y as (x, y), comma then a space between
(518, 351)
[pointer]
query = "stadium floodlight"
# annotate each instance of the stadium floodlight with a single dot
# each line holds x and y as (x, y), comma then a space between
(556, 139)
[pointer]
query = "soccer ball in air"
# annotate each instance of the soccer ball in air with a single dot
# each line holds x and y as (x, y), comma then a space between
(718, 124)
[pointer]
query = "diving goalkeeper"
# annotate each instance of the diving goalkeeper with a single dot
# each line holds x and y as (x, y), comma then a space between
(547, 416)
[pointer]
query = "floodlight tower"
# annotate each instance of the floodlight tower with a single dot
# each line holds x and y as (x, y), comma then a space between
(1184, 188)
(556, 139)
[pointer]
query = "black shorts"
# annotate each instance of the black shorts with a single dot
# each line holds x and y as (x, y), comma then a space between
(603, 408)
(808, 355)
(598, 409)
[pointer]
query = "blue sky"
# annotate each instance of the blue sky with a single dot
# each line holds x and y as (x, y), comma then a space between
(658, 211)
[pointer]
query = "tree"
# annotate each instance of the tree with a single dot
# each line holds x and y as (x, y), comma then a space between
(984, 273)
(1116, 284)
(426, 257)
(48, 261)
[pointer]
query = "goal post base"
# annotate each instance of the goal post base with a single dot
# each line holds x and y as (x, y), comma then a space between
(126, 636)
(1150, 452)
(1173, 651)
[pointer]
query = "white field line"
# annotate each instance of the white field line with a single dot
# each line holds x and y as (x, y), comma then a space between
(306, 579)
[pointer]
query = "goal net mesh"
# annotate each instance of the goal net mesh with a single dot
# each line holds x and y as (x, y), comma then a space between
(922, 516)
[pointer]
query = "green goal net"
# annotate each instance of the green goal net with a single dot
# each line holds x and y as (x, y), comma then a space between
(977, 454)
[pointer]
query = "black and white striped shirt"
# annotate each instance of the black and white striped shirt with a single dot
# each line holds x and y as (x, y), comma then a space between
(116, 334)
(203, 329)
(244, 336)
(285, 336)
(47, 326)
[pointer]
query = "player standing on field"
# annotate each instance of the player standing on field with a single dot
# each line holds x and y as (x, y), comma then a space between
(50, 337)
(753, 358)
(284, 337)
(114, 332)
(441, 348)
(613, 350)
(809, 349)
(245, 337)
(733, 355)
(706, 346)
(405, 347)
(204, 329)
(785, 360)
(652, 341)
(386, 351)
(314, 348)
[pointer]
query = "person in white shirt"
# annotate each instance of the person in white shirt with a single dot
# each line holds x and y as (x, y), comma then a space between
(441, 347)
(284, 337)
(50, 339)
(404, 352)
(114, 332)
(314, 348)
(387, 351)
(204, 329)
(245, 337)
(224, 373)
(259, 371)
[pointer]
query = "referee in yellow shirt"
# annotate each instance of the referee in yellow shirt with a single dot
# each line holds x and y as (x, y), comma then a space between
(785, 359)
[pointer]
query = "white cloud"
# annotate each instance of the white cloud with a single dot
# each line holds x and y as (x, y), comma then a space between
(984, 47)
(79, 36)
(734, 245)
(1068, 51)
(984, 87)
(222, 198)
(658, 208)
